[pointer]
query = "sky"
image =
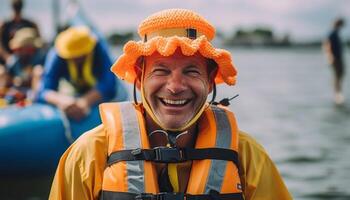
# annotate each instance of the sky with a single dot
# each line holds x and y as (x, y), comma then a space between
(302, 19)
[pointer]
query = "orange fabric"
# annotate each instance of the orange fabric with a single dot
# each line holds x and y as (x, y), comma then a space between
(116, 140)
(176, 18)
(231, 182)
(117, 182)
(124, 67)
(200, 168)
(116, 174)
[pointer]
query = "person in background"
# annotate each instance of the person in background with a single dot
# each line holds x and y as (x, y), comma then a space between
(334, 50)
(79, 59)
(3, 75)
(24, 66)
(3, 78)
(10, 26)
(174, 144)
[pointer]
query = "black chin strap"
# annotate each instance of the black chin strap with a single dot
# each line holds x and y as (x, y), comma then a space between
(214, 94)
(134, 92)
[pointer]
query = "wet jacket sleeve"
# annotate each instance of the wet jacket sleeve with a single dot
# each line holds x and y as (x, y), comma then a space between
(80, 170)
(52, 73)
(259, 175)
(106, 84)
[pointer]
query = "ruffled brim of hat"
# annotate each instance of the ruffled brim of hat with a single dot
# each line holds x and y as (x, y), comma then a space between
(124, 66)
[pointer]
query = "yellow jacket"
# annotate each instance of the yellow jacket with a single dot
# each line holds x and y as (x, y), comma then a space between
(80, 170)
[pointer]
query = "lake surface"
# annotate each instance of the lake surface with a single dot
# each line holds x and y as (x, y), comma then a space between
(286, 102)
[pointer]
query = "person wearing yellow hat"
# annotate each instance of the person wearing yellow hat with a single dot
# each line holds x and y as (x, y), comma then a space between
(24, 66)
(80, 59)
(173, 144)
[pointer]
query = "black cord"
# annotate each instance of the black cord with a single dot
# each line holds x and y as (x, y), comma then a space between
(134, 92)
(226, 101)
(214, 94)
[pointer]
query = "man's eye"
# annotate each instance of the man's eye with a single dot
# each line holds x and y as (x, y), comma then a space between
(160, 71)
(193, 72)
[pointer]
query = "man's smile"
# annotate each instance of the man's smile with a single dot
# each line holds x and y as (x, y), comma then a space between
(172, 102)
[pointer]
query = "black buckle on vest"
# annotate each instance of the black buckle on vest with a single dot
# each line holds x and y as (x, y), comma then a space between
(169, 155)
(160, 196)
(138, 153)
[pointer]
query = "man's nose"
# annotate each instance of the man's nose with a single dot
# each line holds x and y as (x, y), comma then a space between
(176, 83)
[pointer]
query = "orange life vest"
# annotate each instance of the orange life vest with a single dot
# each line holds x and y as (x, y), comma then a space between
(133, 178)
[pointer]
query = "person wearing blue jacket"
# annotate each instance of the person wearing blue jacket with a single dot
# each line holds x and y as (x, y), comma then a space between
(82, 61)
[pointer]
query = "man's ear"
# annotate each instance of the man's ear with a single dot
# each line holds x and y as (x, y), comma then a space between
(138, 84)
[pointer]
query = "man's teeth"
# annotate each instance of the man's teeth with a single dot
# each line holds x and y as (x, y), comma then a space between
(174, 102)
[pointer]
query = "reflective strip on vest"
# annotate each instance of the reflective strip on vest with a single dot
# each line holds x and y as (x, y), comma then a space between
(123, 132)
(131, 136)
(223, 140)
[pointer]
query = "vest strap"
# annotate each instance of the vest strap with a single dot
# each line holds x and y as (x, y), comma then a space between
(213, 195)
(173, 155)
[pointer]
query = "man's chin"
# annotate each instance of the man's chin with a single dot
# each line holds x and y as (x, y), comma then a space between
(173, 126)
(172, 122)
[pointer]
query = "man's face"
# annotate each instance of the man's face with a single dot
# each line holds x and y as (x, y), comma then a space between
(176, 87)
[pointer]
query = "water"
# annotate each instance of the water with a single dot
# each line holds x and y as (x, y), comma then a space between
(285, 101)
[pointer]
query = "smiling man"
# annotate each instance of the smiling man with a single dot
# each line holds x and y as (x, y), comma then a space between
(174, 144)
(177, 88)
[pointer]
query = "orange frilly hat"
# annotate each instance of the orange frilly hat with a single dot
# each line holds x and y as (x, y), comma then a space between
(167, 30)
